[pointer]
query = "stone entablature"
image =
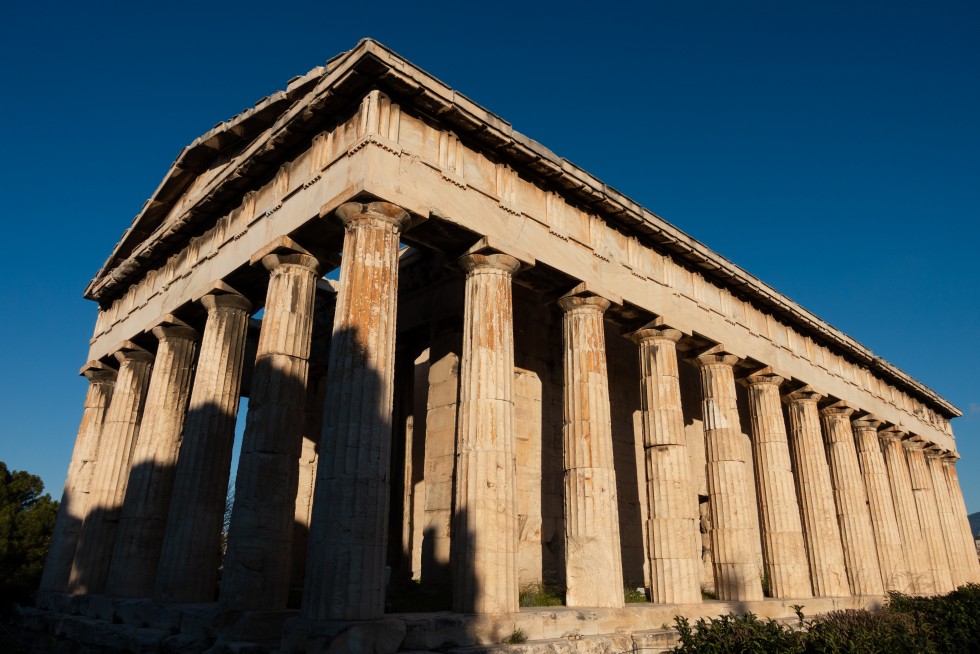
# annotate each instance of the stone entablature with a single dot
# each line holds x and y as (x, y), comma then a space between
(406, 157)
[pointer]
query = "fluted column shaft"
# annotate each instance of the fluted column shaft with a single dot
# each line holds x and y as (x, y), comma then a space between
(891, 556)
(485, 536)
(782, 530)
(348, 530)
(906, 513)
(132, 572)
(188, 568)
(925, 502)
(672, 525)
(853, 515)
(737, 576)
(119, 430)
(78, 485)
(257, 566)
(820, 529)
(951, 536)
(593, 559)
(960, 515)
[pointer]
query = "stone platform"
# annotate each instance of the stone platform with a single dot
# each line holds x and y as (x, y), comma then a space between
(88, 624)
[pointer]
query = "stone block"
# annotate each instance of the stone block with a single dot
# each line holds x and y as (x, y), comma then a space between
(180, 643)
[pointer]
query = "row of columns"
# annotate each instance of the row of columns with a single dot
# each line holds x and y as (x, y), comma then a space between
(844, 509)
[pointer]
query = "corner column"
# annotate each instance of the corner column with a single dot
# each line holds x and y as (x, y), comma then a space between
(132, 572)
(951, 535)
(672, 525)
(824, 549)
(78, 485)
(257, 572)
(485, 536)
(925, 502)
(348, 528)
(737, 576)
(853, 516)
(960, 515)
(891, 556)
(188, 568)
(782, 530)
(122, 423)
(905, 512)
(593, 558)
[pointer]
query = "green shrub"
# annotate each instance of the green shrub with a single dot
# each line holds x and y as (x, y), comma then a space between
(539, 595)
(737, 634)
(635, 595)
(516, 638)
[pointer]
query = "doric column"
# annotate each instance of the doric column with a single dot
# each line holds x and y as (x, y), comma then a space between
(853, 516)
(593, 559)
(891, 556)
(951, 534)
(257, 567)
(132, 572)
(925, 502)
(905, 512)
(78, 485)
(737, 576)
(485, 535)
(782, 531)
(820, 528)
(188, 569)
(122, 423)
(674, 538)
(960, 515)
(348, 530)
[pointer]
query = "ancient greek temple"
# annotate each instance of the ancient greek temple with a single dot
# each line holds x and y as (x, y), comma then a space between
(471, 368)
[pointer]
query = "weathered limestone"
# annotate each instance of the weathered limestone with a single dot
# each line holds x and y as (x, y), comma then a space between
(891, 556)
(906, 513)
(188, 568)
(925, 502)
(593, 568)
(960, 515)
(853, 515)
(132, 572)
(824, 549)
(257, 565)
(485, 536)
(782, 531)
(78, 485)
(672, 523)
(345, 568)
(951, 536)
(736, 572)
(119, 430)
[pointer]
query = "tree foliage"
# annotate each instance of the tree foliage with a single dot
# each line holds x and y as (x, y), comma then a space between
(26, 523)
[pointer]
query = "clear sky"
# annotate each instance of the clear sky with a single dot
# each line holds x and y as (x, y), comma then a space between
(830, 148)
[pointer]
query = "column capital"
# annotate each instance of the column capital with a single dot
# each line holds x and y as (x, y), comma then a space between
(213, 301)
(302, 260)
(913, 445)
(837, 409)
(892, 435)
(763, 378)
(950, 458)
(805, 395)
(133, 354)
(351, 213)
(713, 357)
(490, 260)
(655, 334)
(933, 453)
(587, 302)
(164, 332)
(866, 423)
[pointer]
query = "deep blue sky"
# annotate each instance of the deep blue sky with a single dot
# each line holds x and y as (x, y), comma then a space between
(831, 149)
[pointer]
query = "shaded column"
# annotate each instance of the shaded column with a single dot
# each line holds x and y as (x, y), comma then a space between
(593, 563)
(122, 423)
(188, 568)
(485, 536)
(132, 572)
(891, 555)
(905, 512)
(736, 572)
(820, 529)
(782, 531)
(348, 529)
(925, 502)
(257, 567)
(951, 535)
(674, 538)
(853, 515)
(960, 515)
(78, 484)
